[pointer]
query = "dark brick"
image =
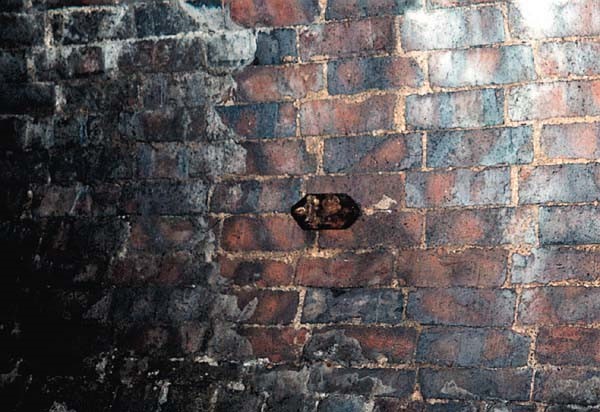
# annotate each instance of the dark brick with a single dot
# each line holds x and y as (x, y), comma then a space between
(270, 13)
(261, 120)
(159, 234)
(357, 75)
(571, 141)
(162, 18)
(380, 229)
(473, 347)
(263, 84)
(567, 305)
(567, 386)
(560, 183)
(228, 400)
(14, 133)
(462, 307)
(278, 345)
(157, 125)
(278, 157)
(472, 108)
(56, 64)
(372, 154)
(276, 46)
(81, 27)
(342, 404)
(440, 268)
(460, 187)
(487, 147)
(366, 305)
(260, 273)
(13, 66)
(569, 225)
(267, 307)
(398, 405)
(346, 270)
(162, 161)
(101, 96)
(166, 197)
(485, 227)
(170, 55)
(253, 196)
(13, 5)
(568, 346)
(343, 39)
(21, 30)
(31, 98)
(545, 265)
(278, 232)
(508, 384)
(376, 192)
(343, 9)
(354, 345)
(366, 382)
(342, 117)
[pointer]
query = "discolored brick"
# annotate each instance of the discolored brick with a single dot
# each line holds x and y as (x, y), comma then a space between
(277, 345)
(571, 141)
(356, 75)
(82, 26)
(278, 157)
(261, 120)
(569, 58)
(452, 28)
(267, 307)
(567, 386)
(510, 64)
(569, 225)
(458, 109)
(488, 147)
(543, 265)
(380, 229)
(341, 117)
(170, 55)
(560, 99)
(366, 305)
(372, 154)
(278, 232)
(31, 98)
(346, 38)
(346, 270)
(562, 183)
(458, 188)
(336, 403)
(568, 346)
(343, 9)
(485, 227)
(473, 347)
(462, 307)
(253, 196)
(568, 305)
(277, 46)
(257, 272)
(252, 13)
(439, 268)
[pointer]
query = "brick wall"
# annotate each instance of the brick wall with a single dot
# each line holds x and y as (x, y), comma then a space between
(151, 151)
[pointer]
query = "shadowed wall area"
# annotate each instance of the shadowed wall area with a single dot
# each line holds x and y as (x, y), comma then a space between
(150, 152)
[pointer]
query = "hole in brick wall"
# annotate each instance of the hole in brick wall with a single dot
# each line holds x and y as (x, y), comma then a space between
(326, 211)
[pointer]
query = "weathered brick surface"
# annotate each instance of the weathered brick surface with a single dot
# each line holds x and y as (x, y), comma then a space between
(568, 346)
(459, 109)
(261, 120)
(267, 307)
(570, 141)
(276, 46)
(263, 272)
(452, 28)
(278, 158)
(568, 183)
(439, 268)
(342, 9)
(278, 232)
(564, 59)
(255, 196)
(567, 386)
(462, 307)
(272, 13)
(559, 306)
(488, 147)
(569, 225)
(555, 264)
(340, 117)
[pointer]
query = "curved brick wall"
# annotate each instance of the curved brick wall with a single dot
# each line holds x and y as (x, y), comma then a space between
(151, 152)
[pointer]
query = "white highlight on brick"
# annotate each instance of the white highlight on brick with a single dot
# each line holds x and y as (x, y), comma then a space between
(539, 15)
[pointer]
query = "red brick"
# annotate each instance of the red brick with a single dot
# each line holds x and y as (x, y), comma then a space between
(279, 232)
(481, 227)
(379, 192)
(571, 141)
(266, 120)
(568, 305)
(272, 83)
(277, 345)
(560, 99)
(372, 153)
(254, 13)
(278, 157)
(568, 346)
(388, 229)
(261, 273)
(460, 187)
(341, 117)
(356, 75)
(346, 270)
(440, 268)
(462, 307)
(158, 233)
(343, 9)
(267, 307)
(251, 196)
(360, 344)
(374, 35)
(561, 183)
(569, 58)
(543, 265)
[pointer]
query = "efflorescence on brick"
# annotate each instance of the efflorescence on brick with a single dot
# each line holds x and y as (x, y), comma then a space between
(151, 151)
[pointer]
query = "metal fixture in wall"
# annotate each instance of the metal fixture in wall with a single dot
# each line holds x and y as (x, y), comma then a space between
(325, 211)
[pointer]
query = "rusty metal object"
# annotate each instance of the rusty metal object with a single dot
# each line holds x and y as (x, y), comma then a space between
(325, 211)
